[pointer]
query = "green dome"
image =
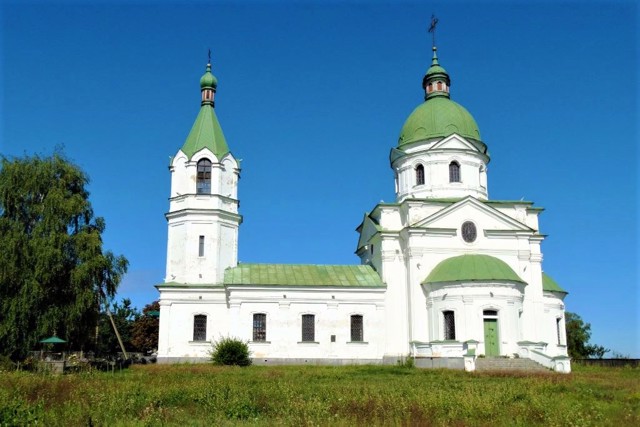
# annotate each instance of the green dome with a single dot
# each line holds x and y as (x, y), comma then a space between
(472, 268)
(208, 79)
(436, 69)
(438, 117)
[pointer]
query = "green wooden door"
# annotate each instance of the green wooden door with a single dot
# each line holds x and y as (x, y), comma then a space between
(491, 337)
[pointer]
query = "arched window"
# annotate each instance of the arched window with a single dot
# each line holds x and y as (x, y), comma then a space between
(419, 175)
(259, 327)
(449, 325)
(357, 328)
(203, 185)
(454, 172)
(199, 327)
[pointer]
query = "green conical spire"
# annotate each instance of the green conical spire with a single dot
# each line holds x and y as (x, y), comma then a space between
(206, 131)
(434, 60)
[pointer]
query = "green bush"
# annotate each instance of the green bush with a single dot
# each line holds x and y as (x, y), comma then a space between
(6, 365)
(406, 362)
(230, 351)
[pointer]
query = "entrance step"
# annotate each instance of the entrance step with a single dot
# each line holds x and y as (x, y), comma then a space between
(484, 364)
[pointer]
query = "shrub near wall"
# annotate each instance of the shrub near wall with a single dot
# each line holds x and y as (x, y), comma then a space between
(230, 352)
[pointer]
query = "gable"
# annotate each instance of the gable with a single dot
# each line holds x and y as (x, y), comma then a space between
(367, 229)
(455, 142)
(470, 209)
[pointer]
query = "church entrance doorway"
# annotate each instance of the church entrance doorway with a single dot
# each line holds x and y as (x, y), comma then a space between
(491, 343)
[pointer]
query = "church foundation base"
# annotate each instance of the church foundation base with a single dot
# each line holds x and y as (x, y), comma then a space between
(268, 361)
(309, 361)
(439, 362)
(175, 360)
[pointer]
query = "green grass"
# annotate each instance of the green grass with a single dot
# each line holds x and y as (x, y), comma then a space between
(308, 395)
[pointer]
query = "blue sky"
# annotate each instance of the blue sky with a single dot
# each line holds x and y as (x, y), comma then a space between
(312, 96)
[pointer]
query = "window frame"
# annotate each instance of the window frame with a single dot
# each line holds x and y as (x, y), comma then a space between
(455, 174)
(449, 325)
(203, 176)
(199, 328)
(420, 174)
(201, 241)
(469, 232)
(308, 328)
(259, 327)
(559, 330)
(357, 330)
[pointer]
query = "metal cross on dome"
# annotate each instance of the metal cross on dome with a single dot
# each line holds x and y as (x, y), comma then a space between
(432, 28)
(209, 56)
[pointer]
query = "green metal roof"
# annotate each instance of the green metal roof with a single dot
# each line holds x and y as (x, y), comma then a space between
(472, 268)
(206, 133)
(302, 275)
(188, 285)
(548, 284)
(52, 340)
(438, 117)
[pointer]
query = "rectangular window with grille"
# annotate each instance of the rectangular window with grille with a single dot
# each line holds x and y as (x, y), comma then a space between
(199, 327)
(356, 328)
(259, 327)
(449, 325)
(201, 246)
(308, 327)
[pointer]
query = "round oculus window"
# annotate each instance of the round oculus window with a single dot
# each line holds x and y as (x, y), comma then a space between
(469, 232)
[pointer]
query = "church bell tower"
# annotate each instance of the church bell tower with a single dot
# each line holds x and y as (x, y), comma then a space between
(203, 217)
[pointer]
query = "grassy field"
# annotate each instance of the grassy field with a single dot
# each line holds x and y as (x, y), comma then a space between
(309, 395)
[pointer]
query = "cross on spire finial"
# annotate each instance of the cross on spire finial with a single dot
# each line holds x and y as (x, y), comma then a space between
(432, 29)
(209, 56)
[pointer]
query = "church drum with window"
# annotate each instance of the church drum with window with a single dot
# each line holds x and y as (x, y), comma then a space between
(445, 273)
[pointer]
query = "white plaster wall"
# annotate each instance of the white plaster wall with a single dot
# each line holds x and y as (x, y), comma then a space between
(214, 216)
(423, 249)
(397, 310)
(468, 302)
(178, 306)
(553, 310)
(233, 316)
(220, 231)
(522, 213)
(436, 157)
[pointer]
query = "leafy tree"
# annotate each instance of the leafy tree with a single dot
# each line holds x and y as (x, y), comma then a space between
(578, 336)
(145, 329)
(230, 351)
(124, 316)
(53, 270)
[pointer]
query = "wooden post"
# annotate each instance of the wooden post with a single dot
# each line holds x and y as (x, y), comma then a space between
(126, 357)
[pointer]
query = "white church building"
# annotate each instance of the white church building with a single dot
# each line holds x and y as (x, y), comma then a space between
(446, 275)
